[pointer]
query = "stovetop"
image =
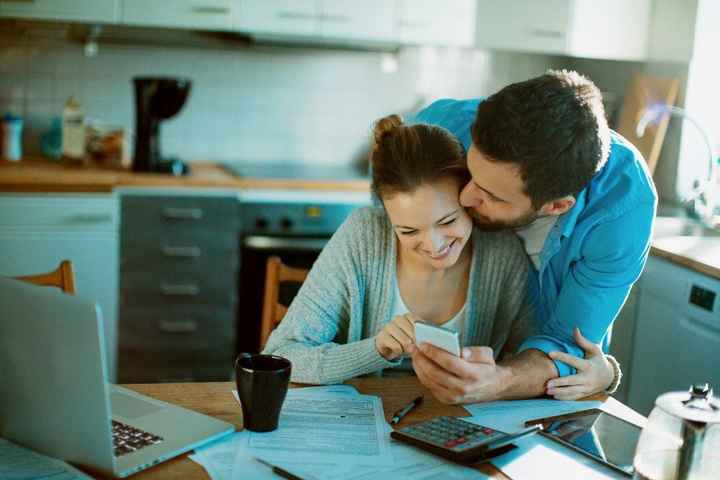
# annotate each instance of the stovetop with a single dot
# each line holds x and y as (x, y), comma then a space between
(295, 171)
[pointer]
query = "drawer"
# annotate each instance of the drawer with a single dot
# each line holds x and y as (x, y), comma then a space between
(153, 366)
(142, 214)
(193, 245)
(178, 329)
(213, 284)
(82, 212)
(178, 256)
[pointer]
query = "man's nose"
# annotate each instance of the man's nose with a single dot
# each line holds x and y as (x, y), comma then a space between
(470, 196)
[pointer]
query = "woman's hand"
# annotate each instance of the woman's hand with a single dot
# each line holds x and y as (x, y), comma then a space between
(394, 339)
(594, 372)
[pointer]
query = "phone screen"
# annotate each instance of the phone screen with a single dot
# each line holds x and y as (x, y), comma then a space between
(598, 434)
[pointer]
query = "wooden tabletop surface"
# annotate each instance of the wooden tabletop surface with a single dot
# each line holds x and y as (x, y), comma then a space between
(216, 399)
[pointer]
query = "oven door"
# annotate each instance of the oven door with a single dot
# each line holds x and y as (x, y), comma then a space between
(300, 252)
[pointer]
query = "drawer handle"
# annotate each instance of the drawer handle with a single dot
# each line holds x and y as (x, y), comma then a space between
(181, 252)
(181, 326)
(337, 18)
(184, 290)
(91, 218)
(209, 9)
(173, 213)
(287, 15)
(545, 33)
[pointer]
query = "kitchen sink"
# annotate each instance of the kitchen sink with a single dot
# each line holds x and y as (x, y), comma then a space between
(683, 227)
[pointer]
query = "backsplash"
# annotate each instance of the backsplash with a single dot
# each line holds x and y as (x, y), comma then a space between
(256, 103)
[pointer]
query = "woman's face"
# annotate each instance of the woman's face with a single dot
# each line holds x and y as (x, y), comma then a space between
(429, 223)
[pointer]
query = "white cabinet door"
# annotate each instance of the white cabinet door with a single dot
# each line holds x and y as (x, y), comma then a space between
(613, 29)
(677, 335)
(372, 20)
(429, 22)
(523, 25)
(38, 231)
(278, 17)
(193, 14)
(101, 11)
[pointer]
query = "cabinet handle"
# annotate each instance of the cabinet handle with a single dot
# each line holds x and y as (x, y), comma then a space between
(181, 252)
(545, 33)
(19, 1)
(212, 10)
(184, 290)
(91, 218)
(288, 15)
(405, 23)
(173, 213)
(181, 326)
(337, 18)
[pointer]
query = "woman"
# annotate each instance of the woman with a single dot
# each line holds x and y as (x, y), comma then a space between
(418, 257)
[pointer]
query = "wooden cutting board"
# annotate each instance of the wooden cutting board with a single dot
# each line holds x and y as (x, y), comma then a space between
(643, 92)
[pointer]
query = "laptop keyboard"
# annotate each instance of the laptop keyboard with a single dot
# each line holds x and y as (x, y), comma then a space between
(127, 439)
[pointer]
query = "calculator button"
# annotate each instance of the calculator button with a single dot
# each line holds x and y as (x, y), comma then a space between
(460, 440)
(450, 443)
(487, 431)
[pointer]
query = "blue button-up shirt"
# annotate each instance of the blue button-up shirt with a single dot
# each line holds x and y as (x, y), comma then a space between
(595, 251)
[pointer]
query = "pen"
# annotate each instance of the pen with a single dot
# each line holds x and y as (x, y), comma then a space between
(282, 472)
(397, 416)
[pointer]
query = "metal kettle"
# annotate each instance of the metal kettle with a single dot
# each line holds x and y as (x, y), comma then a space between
(681, 440)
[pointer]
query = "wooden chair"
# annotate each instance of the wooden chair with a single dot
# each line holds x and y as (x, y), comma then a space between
(273, 312)
(62, 278)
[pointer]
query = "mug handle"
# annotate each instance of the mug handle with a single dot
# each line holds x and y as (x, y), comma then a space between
(242, 356)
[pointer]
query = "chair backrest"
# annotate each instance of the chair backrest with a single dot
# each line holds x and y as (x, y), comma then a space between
(62, 278)
(273, 312)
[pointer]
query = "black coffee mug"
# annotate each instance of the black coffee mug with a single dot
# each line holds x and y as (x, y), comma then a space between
(262, 383)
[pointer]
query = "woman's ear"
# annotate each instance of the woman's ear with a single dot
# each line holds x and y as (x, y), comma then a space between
(558, 206)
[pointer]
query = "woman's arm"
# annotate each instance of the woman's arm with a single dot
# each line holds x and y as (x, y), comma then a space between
(328, 308)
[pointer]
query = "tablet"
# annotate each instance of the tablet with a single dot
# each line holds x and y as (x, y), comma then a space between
(597, 434)
(444, 338)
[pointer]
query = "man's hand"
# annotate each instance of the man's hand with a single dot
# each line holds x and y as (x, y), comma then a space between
(395, 338)
(473, 378)
(594, 372)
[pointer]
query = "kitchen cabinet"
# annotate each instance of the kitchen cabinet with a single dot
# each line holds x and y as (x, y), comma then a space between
(370, 20)
(614, 29)
(192, 14)
(96, 11)
(38, 231)
(428, 22)
(178, 286)
(677, 332)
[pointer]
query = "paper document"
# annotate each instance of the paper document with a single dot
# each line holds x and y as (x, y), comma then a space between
(17, 462)
(510, 415)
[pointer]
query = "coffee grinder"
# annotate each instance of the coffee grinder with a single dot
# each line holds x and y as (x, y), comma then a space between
(156, 99)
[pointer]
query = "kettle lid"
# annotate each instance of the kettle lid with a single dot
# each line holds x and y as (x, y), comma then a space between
(697, 404)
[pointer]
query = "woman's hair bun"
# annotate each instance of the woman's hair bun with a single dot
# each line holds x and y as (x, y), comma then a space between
(386, 125)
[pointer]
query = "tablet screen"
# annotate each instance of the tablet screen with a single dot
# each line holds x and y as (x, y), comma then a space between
(603, 436)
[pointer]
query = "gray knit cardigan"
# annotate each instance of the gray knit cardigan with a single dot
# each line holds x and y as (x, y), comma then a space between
(329, 331)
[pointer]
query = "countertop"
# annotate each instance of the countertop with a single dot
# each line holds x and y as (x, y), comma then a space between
(36, 175)
(701, 254)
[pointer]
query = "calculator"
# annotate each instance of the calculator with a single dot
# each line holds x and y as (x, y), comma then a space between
(459, 440)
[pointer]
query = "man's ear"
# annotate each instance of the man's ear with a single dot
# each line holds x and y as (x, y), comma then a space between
(558, 206)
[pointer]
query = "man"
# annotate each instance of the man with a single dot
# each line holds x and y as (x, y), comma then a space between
(544, 163)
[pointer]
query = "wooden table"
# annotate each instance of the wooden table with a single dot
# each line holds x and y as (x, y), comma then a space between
(215, 399)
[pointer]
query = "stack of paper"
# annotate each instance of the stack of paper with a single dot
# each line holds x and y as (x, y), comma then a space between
(325, 433)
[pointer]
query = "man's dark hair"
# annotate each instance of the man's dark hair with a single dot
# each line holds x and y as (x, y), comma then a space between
(552, 126)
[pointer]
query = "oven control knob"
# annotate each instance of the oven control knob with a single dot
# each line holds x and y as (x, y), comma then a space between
(261, 223)
(286, 224)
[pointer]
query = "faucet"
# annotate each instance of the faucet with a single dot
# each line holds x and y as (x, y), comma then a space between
(701, 202)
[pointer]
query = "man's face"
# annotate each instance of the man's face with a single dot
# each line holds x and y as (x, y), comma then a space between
(494, 197)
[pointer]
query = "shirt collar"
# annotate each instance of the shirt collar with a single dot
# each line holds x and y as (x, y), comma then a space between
(568, 220)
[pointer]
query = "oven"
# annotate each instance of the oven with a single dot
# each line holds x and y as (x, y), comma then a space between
(294, 225)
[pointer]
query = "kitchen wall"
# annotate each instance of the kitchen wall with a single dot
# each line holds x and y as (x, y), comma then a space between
(257, 103)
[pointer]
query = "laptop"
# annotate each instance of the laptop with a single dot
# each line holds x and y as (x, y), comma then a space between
(55, 397)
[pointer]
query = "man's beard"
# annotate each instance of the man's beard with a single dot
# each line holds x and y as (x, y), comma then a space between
(484, 223)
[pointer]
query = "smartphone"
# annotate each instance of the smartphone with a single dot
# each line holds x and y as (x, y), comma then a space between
(440, 337)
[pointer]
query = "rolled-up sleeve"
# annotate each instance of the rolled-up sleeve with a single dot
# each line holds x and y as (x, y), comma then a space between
(596, 286)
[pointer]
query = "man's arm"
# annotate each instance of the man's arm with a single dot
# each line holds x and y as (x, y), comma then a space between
(477, 378)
